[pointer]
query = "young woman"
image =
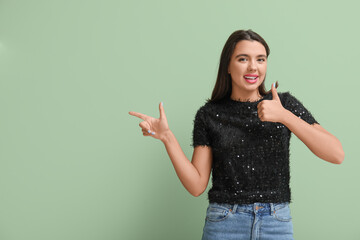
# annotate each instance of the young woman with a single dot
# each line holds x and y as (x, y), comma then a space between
(242, 136)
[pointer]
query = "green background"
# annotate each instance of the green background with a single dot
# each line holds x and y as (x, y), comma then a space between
(74, 164)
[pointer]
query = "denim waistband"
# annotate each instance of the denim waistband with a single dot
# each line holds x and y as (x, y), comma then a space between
(251, 208)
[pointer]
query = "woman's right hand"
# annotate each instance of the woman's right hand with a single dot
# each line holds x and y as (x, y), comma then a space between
(155, 127)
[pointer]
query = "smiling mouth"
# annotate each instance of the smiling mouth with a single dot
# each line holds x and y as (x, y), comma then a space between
(251, 79)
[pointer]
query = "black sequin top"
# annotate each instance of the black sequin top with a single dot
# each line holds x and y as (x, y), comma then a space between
(250, 157)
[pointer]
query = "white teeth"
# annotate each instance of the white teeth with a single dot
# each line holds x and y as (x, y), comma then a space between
(251, 77)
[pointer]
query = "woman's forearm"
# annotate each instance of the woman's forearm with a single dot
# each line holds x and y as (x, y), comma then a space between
(323, 144)
(186, 171)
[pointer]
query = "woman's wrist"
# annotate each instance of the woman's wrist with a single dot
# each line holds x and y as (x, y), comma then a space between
(285, 116)
(167, 136)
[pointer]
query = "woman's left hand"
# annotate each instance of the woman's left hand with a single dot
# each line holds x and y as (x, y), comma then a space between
(271, 110)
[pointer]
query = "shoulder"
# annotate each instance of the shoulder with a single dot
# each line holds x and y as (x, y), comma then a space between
(202, 112)
(209, 107)
(288, 99)
(284, 96)
(293, 104)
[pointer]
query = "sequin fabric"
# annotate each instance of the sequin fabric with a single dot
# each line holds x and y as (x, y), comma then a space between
(250, 157)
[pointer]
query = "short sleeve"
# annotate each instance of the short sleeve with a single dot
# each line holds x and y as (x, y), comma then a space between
(297, 108)
(200, 135)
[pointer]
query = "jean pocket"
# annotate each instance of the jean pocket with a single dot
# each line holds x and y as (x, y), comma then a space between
(282, 212)
(217, 213)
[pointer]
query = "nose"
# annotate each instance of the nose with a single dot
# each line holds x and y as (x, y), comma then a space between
(252, 65)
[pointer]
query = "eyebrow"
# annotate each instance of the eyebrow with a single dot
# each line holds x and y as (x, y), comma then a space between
(262, 55)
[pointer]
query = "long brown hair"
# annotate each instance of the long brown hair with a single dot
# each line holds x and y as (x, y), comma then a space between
(223, 85)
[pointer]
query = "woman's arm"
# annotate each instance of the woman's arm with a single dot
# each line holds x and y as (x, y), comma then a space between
(193, 175)
(322, 143)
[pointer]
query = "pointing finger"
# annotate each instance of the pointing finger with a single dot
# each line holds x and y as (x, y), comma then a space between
(139, 115)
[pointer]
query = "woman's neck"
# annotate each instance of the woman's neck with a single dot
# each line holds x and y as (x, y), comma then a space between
(243, 97)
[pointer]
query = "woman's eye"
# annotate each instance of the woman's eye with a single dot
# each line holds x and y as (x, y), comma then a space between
(244, 59)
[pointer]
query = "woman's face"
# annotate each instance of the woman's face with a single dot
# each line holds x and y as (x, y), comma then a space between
(247, 66)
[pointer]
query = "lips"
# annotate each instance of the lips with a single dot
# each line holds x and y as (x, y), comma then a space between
(251, 75)
(251, 78)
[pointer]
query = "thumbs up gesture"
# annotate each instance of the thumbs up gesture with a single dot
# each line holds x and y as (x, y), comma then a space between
(155, 127)
(271, 110)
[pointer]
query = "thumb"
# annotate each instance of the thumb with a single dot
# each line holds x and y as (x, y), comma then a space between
(162, 112)
(275, 95)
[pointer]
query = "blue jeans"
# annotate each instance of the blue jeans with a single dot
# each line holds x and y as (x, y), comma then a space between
(264, 221)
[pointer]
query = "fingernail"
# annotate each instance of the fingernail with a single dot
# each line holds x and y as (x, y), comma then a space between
(162, 104)
(274, 84)
(153, 133)
(149, 131)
